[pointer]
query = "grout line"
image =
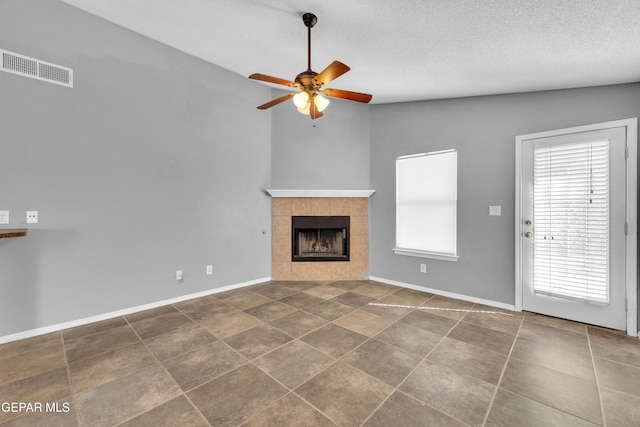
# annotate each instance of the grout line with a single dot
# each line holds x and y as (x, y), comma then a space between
(73, 394)
(504, 369)
(595, 374)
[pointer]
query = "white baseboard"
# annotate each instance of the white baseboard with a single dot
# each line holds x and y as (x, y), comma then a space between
(490, 303)
(66, 325)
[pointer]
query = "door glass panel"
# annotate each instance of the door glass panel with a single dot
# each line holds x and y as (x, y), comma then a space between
(571, 220)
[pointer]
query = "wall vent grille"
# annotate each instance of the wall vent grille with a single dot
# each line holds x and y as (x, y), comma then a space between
(36, 69)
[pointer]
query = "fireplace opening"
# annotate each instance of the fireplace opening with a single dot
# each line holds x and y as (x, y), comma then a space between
(320, 238)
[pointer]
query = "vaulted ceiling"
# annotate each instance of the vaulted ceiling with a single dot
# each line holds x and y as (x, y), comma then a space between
(403, 50)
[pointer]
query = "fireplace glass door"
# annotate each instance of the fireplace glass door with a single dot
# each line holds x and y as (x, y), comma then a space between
(320, 238)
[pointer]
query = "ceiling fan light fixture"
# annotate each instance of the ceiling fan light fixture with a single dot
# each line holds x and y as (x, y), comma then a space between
(306, 110)
(301, 99)
(321, 102)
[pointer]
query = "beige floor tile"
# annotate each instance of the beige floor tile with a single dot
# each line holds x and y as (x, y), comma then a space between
(469, 359)
(620, 409)
(555, 322)
(294, 363)
(230, 324)
(496, 319)
(344, 394)
(459, 396)
(176, 412)
(364, 322)
(554, 337)
(564, 392)
(486, 338)
(289, 411)
(325, 292)
(246, 300)
(300, 300)
(329, 310)
(615, 345)
(298, 323)
(236, 396)
(30, 363)
(179, 341)
(404, 410)
(93, 328)
(353, 299)
(151, 328)
(618, 376)
(510, 409)
(383, 361)
(257, 341)
(107, 367)
(203, 364)
(568, 362)
(270, 311)
(101, 342)
(126, 397)
(29, 344)
(334, 340)
(429, 322)
(411, 339)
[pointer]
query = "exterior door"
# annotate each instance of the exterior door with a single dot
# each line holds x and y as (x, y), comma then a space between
(573, 226)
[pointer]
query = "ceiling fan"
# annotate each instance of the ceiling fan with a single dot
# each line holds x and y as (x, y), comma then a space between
(310, 100)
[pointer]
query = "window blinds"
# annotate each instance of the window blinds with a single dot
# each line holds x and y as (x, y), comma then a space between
(571, 221)
(426, 199)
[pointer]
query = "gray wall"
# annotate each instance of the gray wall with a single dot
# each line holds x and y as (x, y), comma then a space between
(333, 155)
(483, 130)
(153, 162)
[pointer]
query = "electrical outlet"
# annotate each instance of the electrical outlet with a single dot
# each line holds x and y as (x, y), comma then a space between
(4, 217)
(423, 268)
(209, 269)
(32, 217)
(178, 274)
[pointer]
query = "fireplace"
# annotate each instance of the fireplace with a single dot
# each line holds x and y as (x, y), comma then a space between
(320, 238)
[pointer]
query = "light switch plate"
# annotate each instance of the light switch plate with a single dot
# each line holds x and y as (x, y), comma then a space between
(32, 217)
(4, 217)
(495, 210)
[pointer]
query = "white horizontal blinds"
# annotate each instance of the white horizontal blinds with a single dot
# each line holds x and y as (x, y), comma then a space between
(571, 221)
(426, 196)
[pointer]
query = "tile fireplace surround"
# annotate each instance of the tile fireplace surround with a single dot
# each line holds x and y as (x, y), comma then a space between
(284, 207)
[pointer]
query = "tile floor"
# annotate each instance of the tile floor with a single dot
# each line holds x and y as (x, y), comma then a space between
(345, 353)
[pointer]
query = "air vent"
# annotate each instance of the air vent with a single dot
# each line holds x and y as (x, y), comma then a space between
(36, 69)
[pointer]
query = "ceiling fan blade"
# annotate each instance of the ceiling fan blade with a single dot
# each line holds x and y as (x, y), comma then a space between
(276, 80)
(276, 101)
(348, 95)
(332, 72)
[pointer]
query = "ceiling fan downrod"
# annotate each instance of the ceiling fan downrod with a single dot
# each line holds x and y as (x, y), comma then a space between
(309, 20)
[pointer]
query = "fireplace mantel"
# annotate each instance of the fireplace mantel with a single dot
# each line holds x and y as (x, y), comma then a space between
(320, 193)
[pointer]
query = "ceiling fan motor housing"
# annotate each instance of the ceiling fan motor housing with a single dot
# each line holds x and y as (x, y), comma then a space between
(307, 79)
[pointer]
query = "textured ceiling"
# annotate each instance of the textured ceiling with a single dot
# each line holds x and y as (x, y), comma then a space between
(403, 50)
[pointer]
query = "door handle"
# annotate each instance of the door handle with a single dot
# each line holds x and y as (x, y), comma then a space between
(528, 234)
(528, 223)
